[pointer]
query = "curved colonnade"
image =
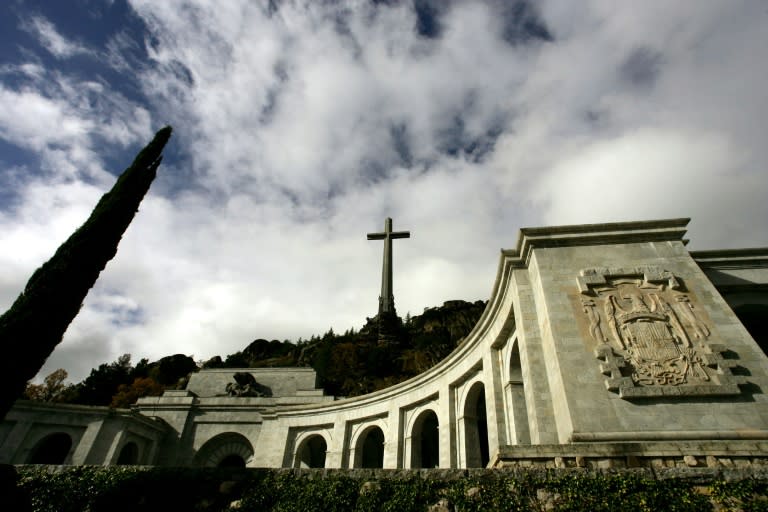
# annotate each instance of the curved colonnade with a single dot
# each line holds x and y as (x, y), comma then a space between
(450, 416)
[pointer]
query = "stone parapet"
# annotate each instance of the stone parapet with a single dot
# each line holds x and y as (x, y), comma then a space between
(276, 382)
(710, 454)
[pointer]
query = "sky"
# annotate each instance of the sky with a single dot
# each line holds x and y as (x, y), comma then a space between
(299, 126)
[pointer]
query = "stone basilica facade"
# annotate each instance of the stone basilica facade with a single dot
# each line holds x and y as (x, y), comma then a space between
(605, 345)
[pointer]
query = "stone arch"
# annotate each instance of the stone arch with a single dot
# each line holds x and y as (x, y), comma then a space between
(369, 448)
(129, 454)
(51, 449)
(225, 450)
(474, 425)
(425, 440)
(755, 320)
(518, 413)
(311, 452)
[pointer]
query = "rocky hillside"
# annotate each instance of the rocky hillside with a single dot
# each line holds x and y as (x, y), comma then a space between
(359, 362)
(348, 364)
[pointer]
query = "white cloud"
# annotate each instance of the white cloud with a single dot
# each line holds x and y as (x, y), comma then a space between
(658, 174)
(31, 120)
(302, 129)
(65, 121)
(59, 46)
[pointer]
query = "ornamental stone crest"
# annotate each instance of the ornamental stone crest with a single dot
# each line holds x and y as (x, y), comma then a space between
(652, 339)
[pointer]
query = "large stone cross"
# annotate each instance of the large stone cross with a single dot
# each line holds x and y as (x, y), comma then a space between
(387, 299)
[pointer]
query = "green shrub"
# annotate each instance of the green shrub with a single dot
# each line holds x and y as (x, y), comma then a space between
(97, 489)
(748, 494)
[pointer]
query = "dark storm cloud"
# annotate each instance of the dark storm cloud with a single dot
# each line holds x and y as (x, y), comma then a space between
(455, 140)
(401, 143)
(641, 67)
(522, 23)
(428, 15)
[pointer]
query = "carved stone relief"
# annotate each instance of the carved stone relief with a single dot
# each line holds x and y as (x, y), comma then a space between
(246, 386)
(651, 338)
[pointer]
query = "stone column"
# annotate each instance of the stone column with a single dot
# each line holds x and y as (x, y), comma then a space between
(114, 448)
(446, 421)
(10, 451)
(494, 401)
(518, 413)
(538, 399)
(335, 450)
(84, 452)
(394, 441)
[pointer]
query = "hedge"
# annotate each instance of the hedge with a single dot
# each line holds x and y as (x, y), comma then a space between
(94, 489)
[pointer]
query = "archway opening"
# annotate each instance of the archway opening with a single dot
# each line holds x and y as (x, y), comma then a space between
(129, 455)
(520, 433)
(225, 450)
(425, 440)
(311, 453)
(372, 446)
(52, 449)
(232, 461)
(476, 428)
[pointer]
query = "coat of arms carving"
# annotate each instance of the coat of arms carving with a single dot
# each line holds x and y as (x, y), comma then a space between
(651, 336)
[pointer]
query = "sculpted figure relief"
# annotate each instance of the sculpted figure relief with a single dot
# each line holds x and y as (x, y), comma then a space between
(246, 385)
(649, 334)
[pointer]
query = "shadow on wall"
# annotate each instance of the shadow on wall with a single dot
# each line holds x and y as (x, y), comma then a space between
(755, 319)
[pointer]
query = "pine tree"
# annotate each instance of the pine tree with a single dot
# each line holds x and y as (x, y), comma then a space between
(35, 323)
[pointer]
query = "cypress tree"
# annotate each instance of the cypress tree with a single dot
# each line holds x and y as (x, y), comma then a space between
(35, 323)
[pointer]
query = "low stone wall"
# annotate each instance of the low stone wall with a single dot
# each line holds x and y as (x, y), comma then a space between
(68, 488)
(712, 454)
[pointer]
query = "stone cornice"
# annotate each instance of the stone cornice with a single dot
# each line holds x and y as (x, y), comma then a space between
(89, 410)
(755, 257)
(264, 370)
(593, 234)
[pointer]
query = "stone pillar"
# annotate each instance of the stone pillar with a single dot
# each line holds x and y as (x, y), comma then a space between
(10, 451)
(538, 400)
(83, 452)
(335, 452)
(469, 442)
(494, 401)
(394, 440)
(350, 461)
(150, 457)
(518, 413)
(446, 421)
(410, 444)
(114, 448)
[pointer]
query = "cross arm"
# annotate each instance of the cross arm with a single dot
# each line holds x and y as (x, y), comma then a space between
(400, 234)
(377, 236)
